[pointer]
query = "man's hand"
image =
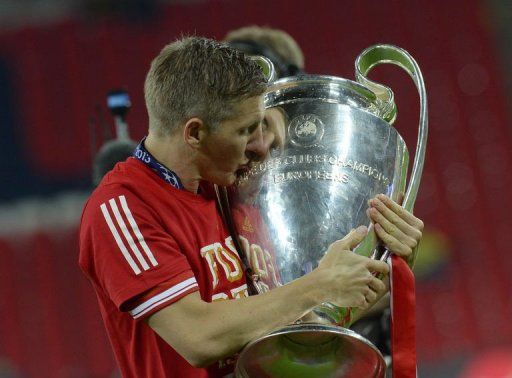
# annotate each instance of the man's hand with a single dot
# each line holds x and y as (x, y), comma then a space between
(348, 277)
(399, 230)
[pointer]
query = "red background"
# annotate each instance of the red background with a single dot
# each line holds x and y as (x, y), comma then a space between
(49, 322)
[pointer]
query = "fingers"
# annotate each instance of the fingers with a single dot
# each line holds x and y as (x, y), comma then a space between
(353, 238)
(377, 266)
(373, 291)
(392, 243)
(387, 206)
(370, 296)
(397, 224)
(395, 231)
(377, 285)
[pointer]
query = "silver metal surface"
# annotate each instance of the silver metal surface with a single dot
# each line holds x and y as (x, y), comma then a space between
(336, 155)
(311, 350)
(335, 149)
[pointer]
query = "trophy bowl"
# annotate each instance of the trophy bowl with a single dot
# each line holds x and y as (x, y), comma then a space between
(335, 149)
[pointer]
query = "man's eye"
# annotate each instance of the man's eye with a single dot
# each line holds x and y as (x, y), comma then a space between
(250, 129)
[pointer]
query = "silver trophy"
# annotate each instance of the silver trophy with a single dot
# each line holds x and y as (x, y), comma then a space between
(335, 149)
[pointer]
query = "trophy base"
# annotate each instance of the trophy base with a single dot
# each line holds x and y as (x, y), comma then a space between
(311, 350)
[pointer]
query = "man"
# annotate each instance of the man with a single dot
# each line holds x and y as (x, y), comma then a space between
(153, 243)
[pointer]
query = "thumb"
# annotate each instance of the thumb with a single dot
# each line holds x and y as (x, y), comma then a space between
(354, 237)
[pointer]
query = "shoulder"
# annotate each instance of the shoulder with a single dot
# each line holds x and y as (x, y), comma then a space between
(126, 179)
(117, 199)
(114, 220)
(126, 172)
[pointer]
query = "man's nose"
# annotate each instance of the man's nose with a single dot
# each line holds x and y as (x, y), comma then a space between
(257, 147)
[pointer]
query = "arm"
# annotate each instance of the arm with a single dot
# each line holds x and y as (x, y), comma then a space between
(205, 332)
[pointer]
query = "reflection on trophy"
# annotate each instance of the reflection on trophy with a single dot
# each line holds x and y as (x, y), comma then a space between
(334, 149)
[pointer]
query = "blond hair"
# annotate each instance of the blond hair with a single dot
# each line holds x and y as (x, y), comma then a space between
(198, 77)
(278, 40)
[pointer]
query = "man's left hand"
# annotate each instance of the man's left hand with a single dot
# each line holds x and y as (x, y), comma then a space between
(399, 229)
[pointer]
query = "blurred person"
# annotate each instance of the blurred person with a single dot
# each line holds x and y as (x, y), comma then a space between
(115, 148)
(275, 44)
(111, 153)
(155, 248)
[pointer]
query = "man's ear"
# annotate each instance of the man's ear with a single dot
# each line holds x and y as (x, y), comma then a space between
(194, 131)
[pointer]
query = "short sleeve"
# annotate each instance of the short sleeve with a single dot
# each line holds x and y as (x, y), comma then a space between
(125, 250)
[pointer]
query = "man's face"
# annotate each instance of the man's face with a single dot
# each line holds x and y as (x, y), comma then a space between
(229, 150)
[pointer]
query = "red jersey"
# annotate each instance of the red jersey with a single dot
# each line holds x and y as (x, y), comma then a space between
(144, 245)
(257, 245)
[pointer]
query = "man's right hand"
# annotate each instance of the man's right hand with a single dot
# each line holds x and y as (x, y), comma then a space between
(348, 277)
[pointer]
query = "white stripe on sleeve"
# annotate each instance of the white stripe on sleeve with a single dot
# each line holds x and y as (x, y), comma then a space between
(164, 296)
(118, 239)
(136, 231)
(127, 234)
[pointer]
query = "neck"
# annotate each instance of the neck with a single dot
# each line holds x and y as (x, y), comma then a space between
(176, 156)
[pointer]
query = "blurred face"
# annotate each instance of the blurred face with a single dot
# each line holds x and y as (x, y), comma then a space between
(229, 151)
(274, 129)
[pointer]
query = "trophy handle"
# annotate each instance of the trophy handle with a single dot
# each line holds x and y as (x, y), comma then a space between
(378, 54)
(269, 71)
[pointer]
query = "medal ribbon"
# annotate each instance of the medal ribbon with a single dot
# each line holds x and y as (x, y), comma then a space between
(403, 319)
(162, 171)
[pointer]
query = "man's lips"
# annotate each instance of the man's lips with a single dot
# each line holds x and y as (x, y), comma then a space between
(243, 169)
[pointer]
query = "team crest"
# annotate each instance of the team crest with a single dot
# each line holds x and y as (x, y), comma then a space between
(306, 130)
(247, 226)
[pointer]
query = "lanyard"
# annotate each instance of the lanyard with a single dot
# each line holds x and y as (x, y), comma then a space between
(165, 173)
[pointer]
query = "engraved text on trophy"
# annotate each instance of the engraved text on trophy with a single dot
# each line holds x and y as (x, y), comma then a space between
(316, 173)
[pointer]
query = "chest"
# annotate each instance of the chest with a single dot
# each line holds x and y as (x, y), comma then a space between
(202, 236)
